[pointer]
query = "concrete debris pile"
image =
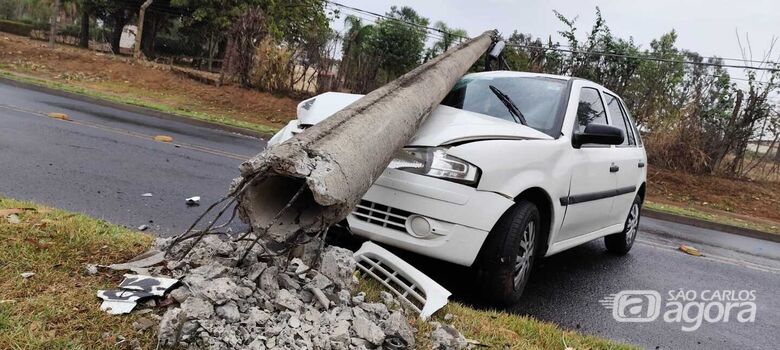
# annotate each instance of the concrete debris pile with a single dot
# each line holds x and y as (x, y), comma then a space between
(278, 303)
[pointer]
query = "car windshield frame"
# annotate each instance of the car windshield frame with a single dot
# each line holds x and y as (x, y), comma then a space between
(553, 131)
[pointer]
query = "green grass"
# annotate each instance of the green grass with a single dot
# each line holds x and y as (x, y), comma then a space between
(132, 101)
(57, 307)
(497, 329)
(711, 217)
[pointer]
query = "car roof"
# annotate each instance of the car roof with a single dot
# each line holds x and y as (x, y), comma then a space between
(509, 74)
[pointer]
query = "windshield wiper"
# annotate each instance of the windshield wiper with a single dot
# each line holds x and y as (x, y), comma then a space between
(511, 106)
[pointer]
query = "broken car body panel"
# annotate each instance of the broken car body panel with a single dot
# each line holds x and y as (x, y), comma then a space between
(419, 291)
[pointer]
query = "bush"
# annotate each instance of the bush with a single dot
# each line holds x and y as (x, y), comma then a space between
(271, 71)
(17, 28)
(70, 30)
(173, 46)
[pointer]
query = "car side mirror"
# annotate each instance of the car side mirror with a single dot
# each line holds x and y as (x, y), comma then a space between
(600, 134)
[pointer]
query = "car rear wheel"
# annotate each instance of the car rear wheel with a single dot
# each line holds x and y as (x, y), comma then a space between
(509, 253)
(621, 243)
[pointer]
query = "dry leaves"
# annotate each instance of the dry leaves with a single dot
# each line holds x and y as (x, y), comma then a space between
(60, 116)
(690, 250)
(163, 138)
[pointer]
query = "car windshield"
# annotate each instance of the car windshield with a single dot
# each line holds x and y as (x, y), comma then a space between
(538, 98)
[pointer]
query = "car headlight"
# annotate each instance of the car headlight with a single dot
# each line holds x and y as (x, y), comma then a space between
(435, 162)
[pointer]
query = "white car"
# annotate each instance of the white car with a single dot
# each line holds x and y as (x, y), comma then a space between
(511, 167)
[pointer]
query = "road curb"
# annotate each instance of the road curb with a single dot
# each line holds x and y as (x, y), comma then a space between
(741, 231)
(133, 109)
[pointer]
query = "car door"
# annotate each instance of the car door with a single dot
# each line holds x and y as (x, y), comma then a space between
(629, 159)
(589, 203)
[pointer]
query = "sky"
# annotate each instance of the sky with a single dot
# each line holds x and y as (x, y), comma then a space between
(709, 27)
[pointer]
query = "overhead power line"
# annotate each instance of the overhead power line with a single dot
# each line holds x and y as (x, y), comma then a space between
(649, 58)
(374, 20)
(600, 53)
(377, 15)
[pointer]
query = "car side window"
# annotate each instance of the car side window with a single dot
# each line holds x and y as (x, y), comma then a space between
(619, 119)
(590, 109)
(631, 124)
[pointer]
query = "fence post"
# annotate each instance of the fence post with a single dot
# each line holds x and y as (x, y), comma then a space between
(140, 29)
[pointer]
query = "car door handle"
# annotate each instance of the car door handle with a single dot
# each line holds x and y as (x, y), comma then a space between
(614, 168)
(641, 164)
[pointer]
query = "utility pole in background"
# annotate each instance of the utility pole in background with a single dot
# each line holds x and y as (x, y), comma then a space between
(140, 29)
(53, 26)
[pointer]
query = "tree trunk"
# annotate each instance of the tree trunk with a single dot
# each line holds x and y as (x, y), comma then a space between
(777, 153)
(53, 27)
(321, 174)
(116, 37)
(84, 32)
(139, 33)
(154, 22)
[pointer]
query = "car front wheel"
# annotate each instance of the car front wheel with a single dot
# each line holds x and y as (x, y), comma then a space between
(509, 253)
(621, 243)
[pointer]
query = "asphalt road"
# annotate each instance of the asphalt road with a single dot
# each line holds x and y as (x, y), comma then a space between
(105, 159)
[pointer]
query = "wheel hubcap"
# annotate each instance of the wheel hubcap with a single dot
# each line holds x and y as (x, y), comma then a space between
(632, 223)
(526, 251)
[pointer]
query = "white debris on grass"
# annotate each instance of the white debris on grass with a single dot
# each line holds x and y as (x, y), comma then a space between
(193, 201)
(13, 219)
(27, 275)
(131, 290)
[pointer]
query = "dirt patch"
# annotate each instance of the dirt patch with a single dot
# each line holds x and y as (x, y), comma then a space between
(743, 199)
(156, 83)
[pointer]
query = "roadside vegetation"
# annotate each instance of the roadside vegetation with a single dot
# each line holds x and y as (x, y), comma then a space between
(152, 86)
(56, 308)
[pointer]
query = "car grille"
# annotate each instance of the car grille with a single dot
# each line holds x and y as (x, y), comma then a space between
(382, 215)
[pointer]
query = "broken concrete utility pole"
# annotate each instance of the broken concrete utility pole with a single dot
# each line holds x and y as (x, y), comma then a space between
(316, 178)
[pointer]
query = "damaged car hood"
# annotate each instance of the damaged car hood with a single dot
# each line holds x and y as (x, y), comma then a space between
(445, 125)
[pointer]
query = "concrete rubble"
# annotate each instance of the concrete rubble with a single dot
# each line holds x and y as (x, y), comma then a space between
(273, 303)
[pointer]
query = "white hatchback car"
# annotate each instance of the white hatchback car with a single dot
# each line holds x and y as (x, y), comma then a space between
(512, 166)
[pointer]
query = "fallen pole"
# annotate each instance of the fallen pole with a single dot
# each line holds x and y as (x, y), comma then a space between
(315, 179)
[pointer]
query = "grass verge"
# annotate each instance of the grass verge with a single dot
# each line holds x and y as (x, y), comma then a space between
(57, 307)
(712, 217)
(138, 102)
(498, 330)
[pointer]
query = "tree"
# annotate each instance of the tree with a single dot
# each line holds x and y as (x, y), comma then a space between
(399, 42)
(357, 70)
(115, 15)
(449, 37)
(652, 93)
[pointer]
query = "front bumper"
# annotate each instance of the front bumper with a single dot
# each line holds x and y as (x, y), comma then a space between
(462, 216)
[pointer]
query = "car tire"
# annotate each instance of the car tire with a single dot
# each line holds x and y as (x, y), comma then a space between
(620, 243)
(508, 254)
